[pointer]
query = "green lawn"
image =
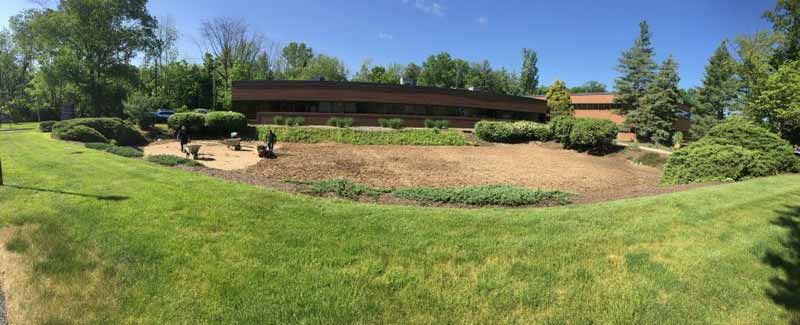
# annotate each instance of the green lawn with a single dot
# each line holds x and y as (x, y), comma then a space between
(115, 240)
(18, 126)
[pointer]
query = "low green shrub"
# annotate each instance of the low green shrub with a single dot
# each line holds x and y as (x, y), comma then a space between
(773, 152)
(651, 159)
(708, 162)
(437, 124)
(504, 195)
(194, 122)
(170, 160)
(340, 122)
(592, 135)
(341, 188)
(288, 121)
(98, 146)
(129, 152)
(391, 123)
(418, 137)
(278, 120)
(46, 126)
(222, 123)
(560, 128)
(110, 127)
(81, 133)
(512, 132)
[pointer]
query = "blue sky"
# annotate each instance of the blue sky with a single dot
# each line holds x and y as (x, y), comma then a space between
(577, 40)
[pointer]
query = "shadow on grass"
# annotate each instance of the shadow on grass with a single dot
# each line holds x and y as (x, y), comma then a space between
(785, 290)
(99, 197)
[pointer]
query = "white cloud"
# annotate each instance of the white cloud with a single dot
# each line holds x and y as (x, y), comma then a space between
(385, 36)
(431, 7)
(482, 20)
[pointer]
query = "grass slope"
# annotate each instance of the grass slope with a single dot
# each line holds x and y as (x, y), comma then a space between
(116, 240)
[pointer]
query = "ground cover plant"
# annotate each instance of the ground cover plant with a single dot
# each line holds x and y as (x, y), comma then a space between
(170, 160)
(651, 159)
(500, 195)
(126, 241)
(129, 152)
(362, 137)
(341, 188)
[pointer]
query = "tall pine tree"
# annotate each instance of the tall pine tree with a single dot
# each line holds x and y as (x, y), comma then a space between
(652, 121)
(637, 68)
(529, 77)
(719, 92)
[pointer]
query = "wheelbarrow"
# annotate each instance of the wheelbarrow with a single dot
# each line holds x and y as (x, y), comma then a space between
(192, 149)
(235, 143)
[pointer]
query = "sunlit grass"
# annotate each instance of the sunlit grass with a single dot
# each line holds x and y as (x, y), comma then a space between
(118, 240)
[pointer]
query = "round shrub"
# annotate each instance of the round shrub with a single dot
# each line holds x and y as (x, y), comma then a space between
(225, 122)
(774, 153)
(82, 133)
(46, 126)
(708, 162)
(560, 128)
(194, 122)
(111, 128)
(593, 135)
(512, 132)
(278, 119)
(493, 131)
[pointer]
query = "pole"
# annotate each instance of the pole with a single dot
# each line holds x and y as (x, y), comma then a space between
(1, 172)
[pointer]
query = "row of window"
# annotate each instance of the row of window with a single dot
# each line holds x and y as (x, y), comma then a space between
(251, 108)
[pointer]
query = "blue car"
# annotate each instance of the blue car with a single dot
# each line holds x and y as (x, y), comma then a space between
(163, 114)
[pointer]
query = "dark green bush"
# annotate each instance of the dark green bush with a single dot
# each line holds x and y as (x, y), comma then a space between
(512, 132)
(593, 135)
(225, 122)
(437, 124)
(129, 152)
(46, 126)
(560, 128)
(342, 188)
(392, 123)
(340, 122)
(170, 160)
(278, 120)
(651, 159)
(708, 162)
(288, 121)
(483, 195)
(81, 133)
(194, 122)
(98, 146)
(111, 128)
(299, 121)
(774, 153)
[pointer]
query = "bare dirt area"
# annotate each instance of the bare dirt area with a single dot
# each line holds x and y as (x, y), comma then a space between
(535, 165)
(213, 154)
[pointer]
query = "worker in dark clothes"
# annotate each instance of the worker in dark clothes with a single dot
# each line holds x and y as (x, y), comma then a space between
(183, 137)
(271, 139)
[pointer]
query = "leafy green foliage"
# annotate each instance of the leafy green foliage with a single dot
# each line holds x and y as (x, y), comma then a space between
(81, 133)
(558, 100)
(46, 126)
(341, 188)
(170, 160)
(592, 135)
(102, 146)
(437, 124)
(223, 123)
(720, 88)
(776, 100)
(392, 123)
(194, 122)
(139, 109)
(591, 86)
(652, 120)
(651, 159)
(129, 152)
(418, 137)
(500, 195)
(339, 122)
(111, 129)
(277, 120)
(529, 75)
(677, 138)
(560, 128)
(512, 132)
(733, 150)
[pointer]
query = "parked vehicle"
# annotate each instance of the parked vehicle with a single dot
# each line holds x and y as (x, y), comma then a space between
(163, 114)
(201, 110)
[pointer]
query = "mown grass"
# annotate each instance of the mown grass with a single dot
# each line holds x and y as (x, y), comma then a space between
(19, 126)
(119, 240)
(417, 137)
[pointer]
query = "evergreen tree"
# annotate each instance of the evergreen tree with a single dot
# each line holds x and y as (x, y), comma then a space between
(652, 121)
(558, 100)
(719, 92)
(529, 77)
(636, 66)
(785, 19)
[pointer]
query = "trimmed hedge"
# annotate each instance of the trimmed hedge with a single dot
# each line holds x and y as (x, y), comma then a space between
(81, 133)
(111, 128)
(46, 126)
(419, 137)
(170, 160)
(194, 122)
(225, 122)
(592, 135)
(733, 150)
(512, 132)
